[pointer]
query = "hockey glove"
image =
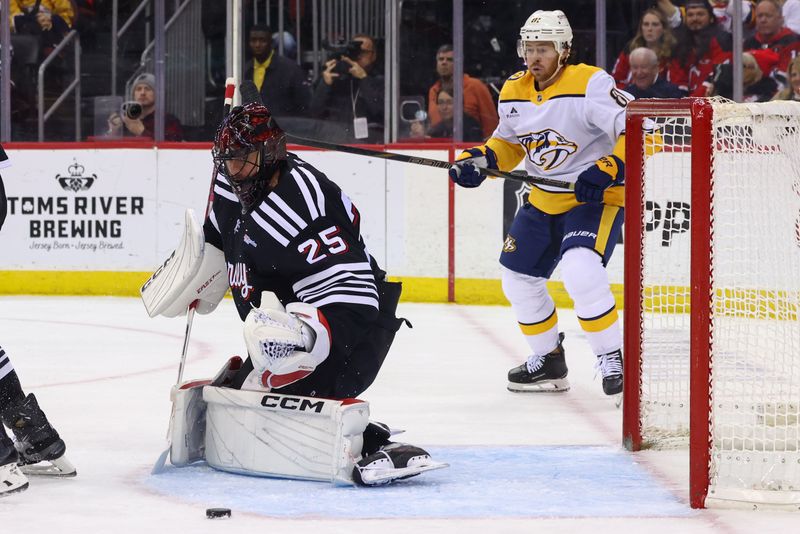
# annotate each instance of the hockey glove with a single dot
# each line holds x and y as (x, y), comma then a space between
(286, 345)
(465, 173)
(593, 182)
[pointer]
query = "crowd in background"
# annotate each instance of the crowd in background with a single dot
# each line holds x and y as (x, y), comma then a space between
(686, 50)
(678, 48)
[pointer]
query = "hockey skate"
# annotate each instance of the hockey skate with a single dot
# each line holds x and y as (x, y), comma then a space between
(12, 480)
(610, 367)
(546, 373)
(41, 450)
(395, 461)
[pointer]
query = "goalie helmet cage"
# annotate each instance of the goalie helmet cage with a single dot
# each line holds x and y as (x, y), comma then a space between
(712, 294)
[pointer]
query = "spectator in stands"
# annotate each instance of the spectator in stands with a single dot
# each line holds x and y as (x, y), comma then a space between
(701, 46)
(653, 33)
(771, 33)
(792, 91)
(645, 79)
(283, 85)
(444, 128)
(478, 101)
(350, 92)
(758, 87)
(721, 9)
(144, 93)
(51, 20)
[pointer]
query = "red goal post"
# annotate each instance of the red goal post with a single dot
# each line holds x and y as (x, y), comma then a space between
(712, 294)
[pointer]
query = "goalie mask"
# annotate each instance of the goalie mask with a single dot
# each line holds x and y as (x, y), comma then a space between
(248, 148)
(547, 26)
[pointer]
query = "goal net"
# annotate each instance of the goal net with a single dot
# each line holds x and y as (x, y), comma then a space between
(712, 294)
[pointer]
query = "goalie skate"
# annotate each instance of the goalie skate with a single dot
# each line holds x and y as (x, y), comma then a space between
(395, 461)
(546, 373)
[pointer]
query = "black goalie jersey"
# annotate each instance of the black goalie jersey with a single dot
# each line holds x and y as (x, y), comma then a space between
(303, 243)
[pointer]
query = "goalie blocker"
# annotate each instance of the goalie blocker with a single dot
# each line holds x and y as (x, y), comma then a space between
(267, 434)
(193, 272)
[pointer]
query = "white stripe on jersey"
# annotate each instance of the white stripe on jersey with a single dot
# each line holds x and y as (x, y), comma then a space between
(270, 229)
(350, 299)
(225, 193)
(266, 210)
(315, 185)
(5, 364)
(312, 209)
(363, 279)
(288, 210)
(342, 289)
(314, 279)
(348, 206)
(213, 218)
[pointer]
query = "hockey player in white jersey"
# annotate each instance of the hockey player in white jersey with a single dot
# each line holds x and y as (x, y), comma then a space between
(566, 122)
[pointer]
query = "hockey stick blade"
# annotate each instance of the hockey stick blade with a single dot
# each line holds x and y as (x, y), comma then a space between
(158, 467)
(516, 176)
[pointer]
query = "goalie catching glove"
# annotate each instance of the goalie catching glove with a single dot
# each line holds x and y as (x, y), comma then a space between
(286, 345)
(465, 171)
(593, 182)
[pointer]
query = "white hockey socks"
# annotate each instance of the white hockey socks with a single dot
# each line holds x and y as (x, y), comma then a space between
(534, 308)
(586, 281)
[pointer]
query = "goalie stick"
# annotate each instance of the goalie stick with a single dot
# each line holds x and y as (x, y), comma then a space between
(230, 88)
(517, 176)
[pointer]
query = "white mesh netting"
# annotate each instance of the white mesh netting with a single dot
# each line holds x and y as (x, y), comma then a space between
(755, 349)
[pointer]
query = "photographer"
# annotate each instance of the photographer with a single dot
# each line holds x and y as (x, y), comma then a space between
(139, 120)
(351, 93)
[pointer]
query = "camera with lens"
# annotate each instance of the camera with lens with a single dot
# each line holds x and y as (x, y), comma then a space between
(351, 49)
(131, 110)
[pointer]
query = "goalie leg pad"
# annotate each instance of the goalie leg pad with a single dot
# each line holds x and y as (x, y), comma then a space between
(188, 425)
(267, 434)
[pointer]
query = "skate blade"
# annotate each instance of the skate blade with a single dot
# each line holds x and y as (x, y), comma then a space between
(374, 477)
(18, 489)
(617, 400)
(548, 386)
(60, 468)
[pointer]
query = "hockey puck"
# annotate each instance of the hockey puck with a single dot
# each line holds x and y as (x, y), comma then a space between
(216, 513)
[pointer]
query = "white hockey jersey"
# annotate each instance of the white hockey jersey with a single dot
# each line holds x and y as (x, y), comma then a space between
(561, 130)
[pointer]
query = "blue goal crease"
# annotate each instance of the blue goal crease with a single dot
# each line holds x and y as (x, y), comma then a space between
(481, 482)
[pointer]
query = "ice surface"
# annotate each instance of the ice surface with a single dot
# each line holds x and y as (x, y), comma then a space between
(551, 463)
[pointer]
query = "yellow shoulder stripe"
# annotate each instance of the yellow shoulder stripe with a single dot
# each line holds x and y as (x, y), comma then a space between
(519, 86)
